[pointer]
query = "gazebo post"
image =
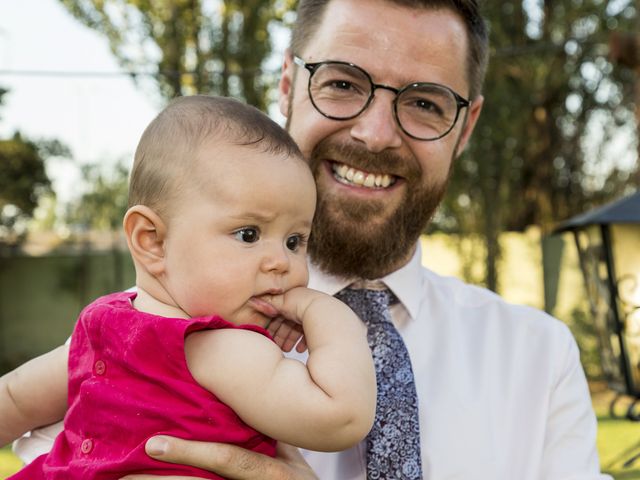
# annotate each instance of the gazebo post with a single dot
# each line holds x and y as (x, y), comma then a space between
(613, 292)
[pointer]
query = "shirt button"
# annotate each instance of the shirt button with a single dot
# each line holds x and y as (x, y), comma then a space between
(86, 446)
(99, 367)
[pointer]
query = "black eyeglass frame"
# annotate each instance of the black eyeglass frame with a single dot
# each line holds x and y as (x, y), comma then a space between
(461, 102)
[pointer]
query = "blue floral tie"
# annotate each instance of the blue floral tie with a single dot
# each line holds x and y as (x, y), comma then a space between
(393, 444)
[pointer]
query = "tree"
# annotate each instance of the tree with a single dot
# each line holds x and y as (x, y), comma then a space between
(190, 46)
(103, 205)
(553, 104)
(23, 180)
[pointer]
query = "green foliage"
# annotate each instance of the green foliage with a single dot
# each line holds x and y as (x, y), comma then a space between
(23, 180)
(104, 204)
(584, 331)
(190, 46)
(3, 92)
(553, 103)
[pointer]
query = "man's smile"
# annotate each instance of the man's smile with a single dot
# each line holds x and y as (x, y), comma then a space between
(353, 176)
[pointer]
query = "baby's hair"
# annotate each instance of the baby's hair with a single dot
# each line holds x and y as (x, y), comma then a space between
(168, 148)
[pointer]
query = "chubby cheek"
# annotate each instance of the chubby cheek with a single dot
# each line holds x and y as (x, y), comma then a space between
(214, 297)
(205, 284)
(299, 272)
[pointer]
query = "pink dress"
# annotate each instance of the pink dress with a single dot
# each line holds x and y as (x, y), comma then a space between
(128, 381)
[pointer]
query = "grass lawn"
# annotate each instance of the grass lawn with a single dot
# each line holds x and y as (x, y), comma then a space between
(618, 441)
(9, 464)
(618, 438)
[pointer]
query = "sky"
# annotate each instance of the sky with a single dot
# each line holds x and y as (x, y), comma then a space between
(100, 118)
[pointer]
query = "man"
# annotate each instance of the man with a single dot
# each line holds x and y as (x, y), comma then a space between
(382, 96)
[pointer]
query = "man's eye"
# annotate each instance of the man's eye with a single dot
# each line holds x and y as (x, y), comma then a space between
(341, 85)
(247, 235)
(429, 107)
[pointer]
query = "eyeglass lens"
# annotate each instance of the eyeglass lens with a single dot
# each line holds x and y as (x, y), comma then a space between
(343, 91)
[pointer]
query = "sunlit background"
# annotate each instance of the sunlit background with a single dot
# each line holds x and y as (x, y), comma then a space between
(557, 137)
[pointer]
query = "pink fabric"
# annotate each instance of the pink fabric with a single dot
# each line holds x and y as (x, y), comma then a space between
(128, 381)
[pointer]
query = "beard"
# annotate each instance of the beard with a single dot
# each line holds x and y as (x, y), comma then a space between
(354, 238)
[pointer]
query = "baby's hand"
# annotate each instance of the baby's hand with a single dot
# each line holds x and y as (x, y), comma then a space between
(293, 306)
(286, 328)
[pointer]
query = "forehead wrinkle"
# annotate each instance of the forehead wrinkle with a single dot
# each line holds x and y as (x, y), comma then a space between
(254, 216)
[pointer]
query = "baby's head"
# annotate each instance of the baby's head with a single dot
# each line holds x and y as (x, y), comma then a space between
(221, 204)
(173, 144)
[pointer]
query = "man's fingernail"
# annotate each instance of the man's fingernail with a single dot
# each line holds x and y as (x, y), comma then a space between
(156, 446)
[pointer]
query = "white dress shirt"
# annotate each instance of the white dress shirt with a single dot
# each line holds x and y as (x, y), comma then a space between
(502, 394)
(501, 390)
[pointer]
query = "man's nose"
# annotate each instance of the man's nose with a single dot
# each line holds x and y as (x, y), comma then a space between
(376, 127)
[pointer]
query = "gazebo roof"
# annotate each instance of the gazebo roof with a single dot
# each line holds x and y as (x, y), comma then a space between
(625, 210)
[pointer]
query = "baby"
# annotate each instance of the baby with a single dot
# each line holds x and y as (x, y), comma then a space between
(220, 210)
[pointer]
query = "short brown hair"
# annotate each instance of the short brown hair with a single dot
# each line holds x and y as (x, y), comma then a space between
(172, 139)
(311, 15)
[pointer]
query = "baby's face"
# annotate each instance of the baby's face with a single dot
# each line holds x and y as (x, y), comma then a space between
(239, 233)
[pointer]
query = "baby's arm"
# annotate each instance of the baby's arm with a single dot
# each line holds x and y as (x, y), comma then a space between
(33, 395)
(329, 404)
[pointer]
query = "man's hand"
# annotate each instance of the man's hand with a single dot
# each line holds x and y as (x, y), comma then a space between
(286, 334)
(228, 461)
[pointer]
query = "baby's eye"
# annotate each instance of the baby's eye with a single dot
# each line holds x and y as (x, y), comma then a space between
(248, 234)
(294, 241)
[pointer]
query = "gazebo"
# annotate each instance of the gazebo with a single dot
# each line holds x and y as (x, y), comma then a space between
(608, 243)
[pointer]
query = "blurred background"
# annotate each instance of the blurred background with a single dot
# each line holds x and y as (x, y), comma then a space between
(80, 80)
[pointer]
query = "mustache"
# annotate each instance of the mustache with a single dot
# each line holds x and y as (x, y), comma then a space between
(359, 157)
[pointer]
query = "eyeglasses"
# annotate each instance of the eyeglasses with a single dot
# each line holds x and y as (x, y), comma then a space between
(342, 91)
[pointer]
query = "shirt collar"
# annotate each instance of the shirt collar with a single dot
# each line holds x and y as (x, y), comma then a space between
(405, 283)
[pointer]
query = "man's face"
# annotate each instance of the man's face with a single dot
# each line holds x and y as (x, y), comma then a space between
(369, 231)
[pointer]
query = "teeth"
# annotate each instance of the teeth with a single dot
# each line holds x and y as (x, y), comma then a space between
(370, 181)
(350, 173)
(358, 177)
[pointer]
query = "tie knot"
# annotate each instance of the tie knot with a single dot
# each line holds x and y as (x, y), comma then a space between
(371, 306)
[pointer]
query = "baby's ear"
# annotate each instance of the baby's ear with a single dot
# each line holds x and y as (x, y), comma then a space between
(146, 233)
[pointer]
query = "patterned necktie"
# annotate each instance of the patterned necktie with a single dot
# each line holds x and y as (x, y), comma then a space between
(393, 444)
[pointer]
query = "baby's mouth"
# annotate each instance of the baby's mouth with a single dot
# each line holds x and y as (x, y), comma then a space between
(352, 176)
(262, 305)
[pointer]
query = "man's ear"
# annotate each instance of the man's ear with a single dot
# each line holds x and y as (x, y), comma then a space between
(472, 118)
(286, 82)
(146, 234)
